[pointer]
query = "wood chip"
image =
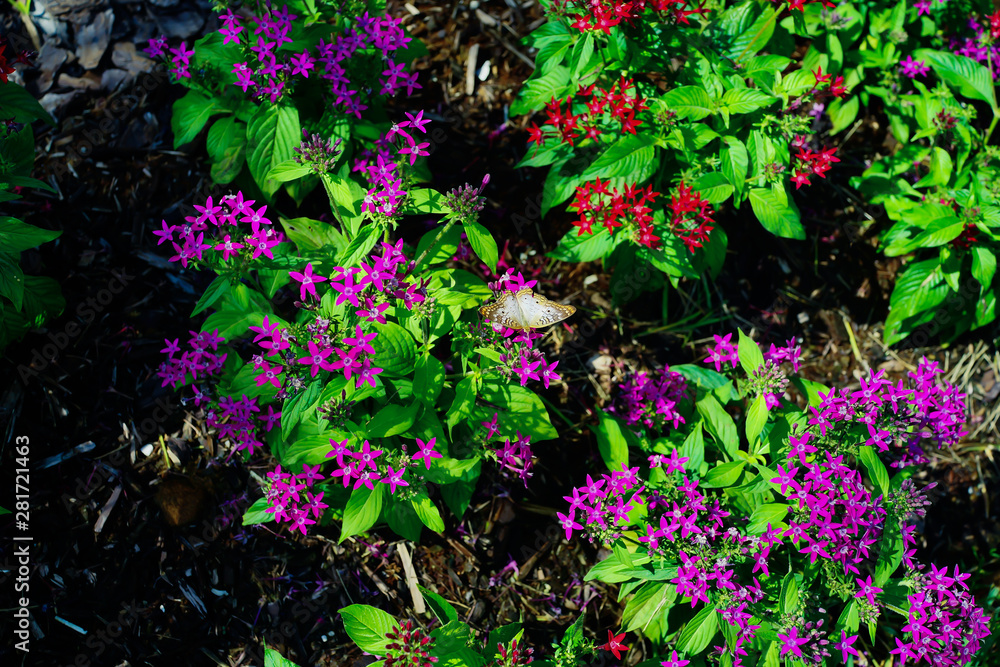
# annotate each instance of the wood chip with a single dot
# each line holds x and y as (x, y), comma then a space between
(411, 578)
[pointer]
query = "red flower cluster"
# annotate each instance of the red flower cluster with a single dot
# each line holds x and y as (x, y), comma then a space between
(811, 163)
(801, 4)
(967, 238)
(836, 86)
(7, 66)
(408, 647)
(602, 15)
(994, 25)
(596, 202)
(619, 100)
(692, 217)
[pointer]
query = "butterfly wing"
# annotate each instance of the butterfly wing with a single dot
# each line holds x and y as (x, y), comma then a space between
(504, 311)
(541, 312)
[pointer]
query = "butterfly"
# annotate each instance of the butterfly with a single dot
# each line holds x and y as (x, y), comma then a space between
(525, 310)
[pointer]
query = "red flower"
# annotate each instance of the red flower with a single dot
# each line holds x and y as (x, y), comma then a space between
(614, 644)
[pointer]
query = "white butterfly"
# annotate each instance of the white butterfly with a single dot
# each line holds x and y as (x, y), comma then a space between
(525, 310)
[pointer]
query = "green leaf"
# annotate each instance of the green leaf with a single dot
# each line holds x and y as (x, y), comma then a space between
(362, 511)
(272, 133)
(426, 200)
(918, 289)
(293, 408)
(274, 659)
(779, 218)
(735, 163)
(632, 156)
(368, 626)
(723, 475)
(216, 289)
(537, 92)
(756, 418)
(18, 103)
(428, 512)
(395, 351)
(289, 170)
(521, 410)
(231, 323)
(768, 513)
(713, 187)
(11, 279)
(972, 79)
(310, 235)
(789, 594)
(876, 469)
(391, 420)
(697, 634)
(689, 102)
(17, 236)
(719, 424)
(750, 355)
(227, 144)
(191, 112)
(745, 100)
(842, 113)
(257, 513)
(441, 608)
(360, 246)
(428, 379)
(482, 243)
(941, 166)
(465, 399)
(890, 553)
(984, 265)
(585, 248)
(611, 440)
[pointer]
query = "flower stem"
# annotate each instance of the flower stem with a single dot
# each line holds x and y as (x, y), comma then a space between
(444, 230)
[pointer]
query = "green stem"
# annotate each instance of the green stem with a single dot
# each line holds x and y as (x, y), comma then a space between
(996, 109)
(444, 230)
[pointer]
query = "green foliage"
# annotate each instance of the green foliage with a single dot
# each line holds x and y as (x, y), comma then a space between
(26, 302)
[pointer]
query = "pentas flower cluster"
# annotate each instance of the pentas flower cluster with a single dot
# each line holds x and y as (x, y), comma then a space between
(651, 400)
(518, 355)
(602, 15)
(317, 153)
(809, 163)
(382, 166)
(595, 116)
(982, 46)
(513, 655)
(321, 346)
(514, 456)
(7, 60)
(366, 466)
(409, 647)
(236, 420)
(598, 202)
(690, 217)
(226, 223)
(913, 68)
(289, 499)
(833, 518)
(360, 59)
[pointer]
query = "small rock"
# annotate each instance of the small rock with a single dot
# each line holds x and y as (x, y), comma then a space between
(50, 59)
(112, 78)
(140, 132)
(52, 102)
(88, 81)
(127, 58)
(164, 3)
(76, 9)
(181, 25)
(92, 39)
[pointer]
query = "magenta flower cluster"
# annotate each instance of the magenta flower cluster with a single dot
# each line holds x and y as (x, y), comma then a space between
(289, 498)
(364, 467)
(381, 166)
(369, 290)
(977, 45)
(229, 237)
(832, 517)
(651, 400)
(514, 456)
(520, 357)
(235, 419)
(271, 70)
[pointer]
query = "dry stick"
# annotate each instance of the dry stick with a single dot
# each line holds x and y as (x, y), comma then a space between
(411, 578)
